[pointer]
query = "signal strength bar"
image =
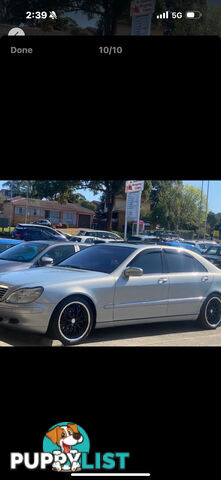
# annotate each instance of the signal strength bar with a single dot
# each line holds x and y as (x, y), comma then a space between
(163, 15)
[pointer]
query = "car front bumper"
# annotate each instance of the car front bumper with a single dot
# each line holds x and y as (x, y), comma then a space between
(32, 316)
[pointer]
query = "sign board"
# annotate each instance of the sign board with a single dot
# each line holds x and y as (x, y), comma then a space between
(133, 204)
(142, 7)
(216, 233)
(134, 186)
(141, 25)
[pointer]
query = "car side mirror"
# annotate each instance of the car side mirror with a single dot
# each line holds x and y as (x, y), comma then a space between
(133, 272)
(44, 261)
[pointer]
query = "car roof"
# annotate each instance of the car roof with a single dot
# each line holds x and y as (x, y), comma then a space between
(30, 225)
(47, 242)
(102, 231)
(12, 240)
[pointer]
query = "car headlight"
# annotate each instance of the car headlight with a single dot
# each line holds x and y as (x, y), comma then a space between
(25, 295)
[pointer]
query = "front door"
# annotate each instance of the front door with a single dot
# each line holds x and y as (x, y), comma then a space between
(146, 296)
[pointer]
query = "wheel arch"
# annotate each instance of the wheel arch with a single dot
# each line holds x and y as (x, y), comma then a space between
(78, 295)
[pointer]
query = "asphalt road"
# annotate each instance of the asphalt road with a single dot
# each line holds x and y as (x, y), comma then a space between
(161, 334)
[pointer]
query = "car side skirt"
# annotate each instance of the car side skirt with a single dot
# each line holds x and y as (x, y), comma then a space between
(137, 321)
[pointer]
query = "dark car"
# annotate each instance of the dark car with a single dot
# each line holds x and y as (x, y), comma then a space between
(6, 243)
(30, 231)
(213, 254)
(36, 254)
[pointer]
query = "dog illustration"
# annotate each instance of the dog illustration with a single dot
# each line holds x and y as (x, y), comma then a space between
(66, 436)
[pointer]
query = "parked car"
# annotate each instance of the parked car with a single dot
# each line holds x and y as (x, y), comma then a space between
(28, 231)
(109, 285)
(67, 235)
(36, 254)
(100, 234)
(204, 245)
(142, 239)
(90, 240)
(6, 243)
(42, 222)
(213, 254)
(188, 246)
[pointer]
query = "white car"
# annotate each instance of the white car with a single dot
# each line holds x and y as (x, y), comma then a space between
(90, 240)
(102, 234)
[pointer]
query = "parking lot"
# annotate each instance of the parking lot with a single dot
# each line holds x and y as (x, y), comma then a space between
(161, 334)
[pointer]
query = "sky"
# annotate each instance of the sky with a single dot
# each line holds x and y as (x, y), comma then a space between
(214, 203)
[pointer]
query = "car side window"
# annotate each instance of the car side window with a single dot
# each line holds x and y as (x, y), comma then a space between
(45, 235)
(199, 267)
(180, 262)
(89, 240)
(150, 262)
(212, 251)
(60, 253)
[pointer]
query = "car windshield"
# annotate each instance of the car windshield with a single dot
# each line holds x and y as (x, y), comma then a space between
(98, 258)
(23, 253)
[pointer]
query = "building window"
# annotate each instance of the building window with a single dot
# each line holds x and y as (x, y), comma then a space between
(20, 210)
(69, 217)
(54, 216)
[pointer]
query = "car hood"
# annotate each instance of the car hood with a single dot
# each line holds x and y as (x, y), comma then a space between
(48, 276)
(7, 266)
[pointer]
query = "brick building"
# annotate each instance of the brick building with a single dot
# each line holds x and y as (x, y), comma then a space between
(118, 215)
(30, 210)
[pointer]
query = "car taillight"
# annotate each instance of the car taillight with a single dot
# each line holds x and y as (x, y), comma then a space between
(18, 235)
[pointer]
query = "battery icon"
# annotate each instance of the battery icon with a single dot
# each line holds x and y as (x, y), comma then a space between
(194, 15)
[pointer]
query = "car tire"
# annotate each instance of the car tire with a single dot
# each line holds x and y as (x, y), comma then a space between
(72, 320)
(210, 313)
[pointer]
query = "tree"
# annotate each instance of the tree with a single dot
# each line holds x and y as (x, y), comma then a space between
(166, 202)
(20, 188)
(177, 206)
(60, 190)
(109, 188)
(191, 206)
(212, 220)
(107, 10)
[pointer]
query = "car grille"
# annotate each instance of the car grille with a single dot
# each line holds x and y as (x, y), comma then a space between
(3, 291)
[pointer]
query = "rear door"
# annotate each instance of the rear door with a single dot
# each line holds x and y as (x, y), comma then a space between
(189, 282)
(146, 296)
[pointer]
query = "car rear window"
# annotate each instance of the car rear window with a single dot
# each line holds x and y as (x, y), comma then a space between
(180, 262)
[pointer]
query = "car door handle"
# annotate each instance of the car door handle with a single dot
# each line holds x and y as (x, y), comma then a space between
(204, 279)
(163, 280)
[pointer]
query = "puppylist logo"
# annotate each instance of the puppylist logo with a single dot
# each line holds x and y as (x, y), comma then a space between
(66, 446)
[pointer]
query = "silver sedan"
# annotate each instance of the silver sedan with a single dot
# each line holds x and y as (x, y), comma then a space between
(109, 285)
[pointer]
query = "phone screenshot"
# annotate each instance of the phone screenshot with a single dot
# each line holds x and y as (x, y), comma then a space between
(98, 92)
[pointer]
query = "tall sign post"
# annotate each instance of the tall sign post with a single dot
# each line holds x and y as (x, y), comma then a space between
(141, 12)
(133, 189)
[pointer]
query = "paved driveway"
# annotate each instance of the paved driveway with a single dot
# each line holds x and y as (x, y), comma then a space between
(161, 334)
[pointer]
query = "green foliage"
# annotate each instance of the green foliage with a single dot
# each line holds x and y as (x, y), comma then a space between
(177, 206)
(212, 220)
